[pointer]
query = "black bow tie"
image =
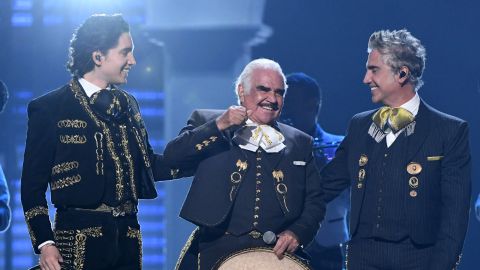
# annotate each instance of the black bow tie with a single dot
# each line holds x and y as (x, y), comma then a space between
(110, 105)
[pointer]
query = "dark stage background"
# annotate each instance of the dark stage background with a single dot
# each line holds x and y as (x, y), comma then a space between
(190, 52)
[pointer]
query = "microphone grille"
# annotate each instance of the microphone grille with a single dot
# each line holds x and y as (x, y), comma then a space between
(269, 238)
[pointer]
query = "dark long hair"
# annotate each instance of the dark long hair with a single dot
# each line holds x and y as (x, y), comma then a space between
(100, 32)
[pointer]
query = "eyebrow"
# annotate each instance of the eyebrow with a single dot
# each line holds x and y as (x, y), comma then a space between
(372, 66)
(267, 89)
(263, 88)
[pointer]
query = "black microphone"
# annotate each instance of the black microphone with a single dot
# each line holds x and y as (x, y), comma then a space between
(269, 238)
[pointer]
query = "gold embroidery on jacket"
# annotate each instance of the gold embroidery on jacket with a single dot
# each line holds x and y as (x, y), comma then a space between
(138, 117)
(67, 123)
(73, 139)
(281, 187)
(64, 167)
(185, 248)
(74, 85)
(99, 151)
(65, 238)
(128, 156)
(142, 147)
(36, 211)
(65, 182)
(30, 214)
(205, 143)
(136, 234)
(174, 173)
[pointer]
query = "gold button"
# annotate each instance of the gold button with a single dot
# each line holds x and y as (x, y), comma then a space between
(363, 160)
(414, 168)
(413, 193)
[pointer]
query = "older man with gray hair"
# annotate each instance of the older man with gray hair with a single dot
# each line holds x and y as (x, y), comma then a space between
(409, 167)
(254, 176)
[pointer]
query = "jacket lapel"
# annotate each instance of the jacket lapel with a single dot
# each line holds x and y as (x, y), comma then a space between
(422, 126)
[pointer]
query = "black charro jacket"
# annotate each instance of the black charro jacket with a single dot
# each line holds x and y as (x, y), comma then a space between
(66, 148)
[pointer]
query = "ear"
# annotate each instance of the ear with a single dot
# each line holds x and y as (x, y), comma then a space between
(241, 93)
(97, 58)
(403, 75)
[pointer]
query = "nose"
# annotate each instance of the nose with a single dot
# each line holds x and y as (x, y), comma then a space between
(131, 60)
(272, 97)
(367, 79)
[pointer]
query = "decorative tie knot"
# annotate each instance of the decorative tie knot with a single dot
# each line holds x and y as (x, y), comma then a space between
(253, 136)
(394, 119)
(109, 104)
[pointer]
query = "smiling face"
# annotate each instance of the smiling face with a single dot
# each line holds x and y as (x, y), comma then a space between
(113, 67)
(265, 96)
(386, 87)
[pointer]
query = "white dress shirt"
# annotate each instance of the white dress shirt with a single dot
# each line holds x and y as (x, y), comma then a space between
(412, 106)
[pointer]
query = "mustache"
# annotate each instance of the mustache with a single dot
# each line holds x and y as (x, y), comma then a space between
(274, 106)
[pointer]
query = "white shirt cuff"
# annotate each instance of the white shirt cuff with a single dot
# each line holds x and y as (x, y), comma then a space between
(45, 243)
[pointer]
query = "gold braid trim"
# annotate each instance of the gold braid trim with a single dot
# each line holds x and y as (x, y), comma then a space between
(67, 123)
(30, 214)
(138, 119)
(77, 91)
(36, 211)
(99, 152)
(74, 139)
(65, 182)
(347, 249)
(80, 241)
(185, 248)
(64, 167)
(136, 234)
(142, 147)
(128, 156)
(32, 235)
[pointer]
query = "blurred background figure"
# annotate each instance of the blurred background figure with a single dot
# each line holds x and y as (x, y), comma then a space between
(4, 194)
(301, 110)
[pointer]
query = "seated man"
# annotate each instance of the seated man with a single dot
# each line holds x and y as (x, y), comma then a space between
(253, 174)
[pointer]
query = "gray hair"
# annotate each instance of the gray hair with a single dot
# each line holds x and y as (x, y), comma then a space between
(244, 78)
(399, 48)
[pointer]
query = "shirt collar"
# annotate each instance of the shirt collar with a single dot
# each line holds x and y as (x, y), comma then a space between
(412, 105)
(89, 87)
(274, 125)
